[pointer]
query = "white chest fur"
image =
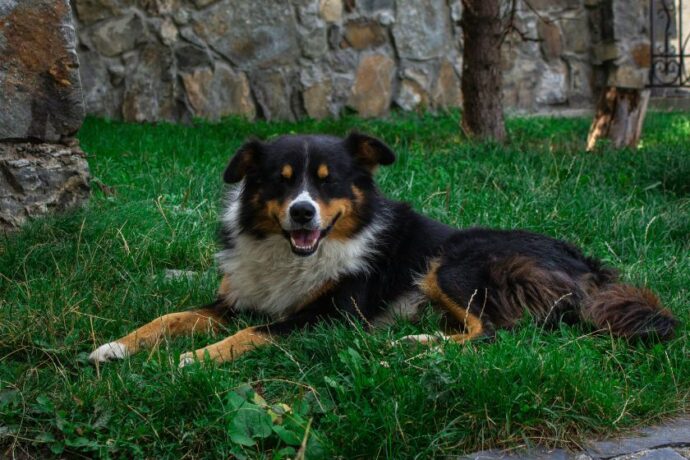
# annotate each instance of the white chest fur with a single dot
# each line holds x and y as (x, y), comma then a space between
(265, 275)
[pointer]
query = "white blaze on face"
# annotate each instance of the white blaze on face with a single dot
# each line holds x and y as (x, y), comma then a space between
(304, 195)
(304, 240)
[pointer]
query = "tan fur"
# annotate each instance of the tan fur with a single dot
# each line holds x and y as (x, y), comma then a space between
(171, 325)
(471, 323)
(322, 172)
(369, 156)
(286, 172)
(229, 348)
(268, 217)
(348, 222)
(224, 288)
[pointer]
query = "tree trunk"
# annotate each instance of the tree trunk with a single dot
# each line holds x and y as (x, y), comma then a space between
(482, 115)
(619, 117)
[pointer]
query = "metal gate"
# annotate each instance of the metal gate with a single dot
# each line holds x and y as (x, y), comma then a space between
(670, 54)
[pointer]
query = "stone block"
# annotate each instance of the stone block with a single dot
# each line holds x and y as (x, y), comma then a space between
(371, 6)
(150, 85)
(89, 11)
(372, 91)
(628, 76)
(40, 179)
(419, 72)
(581, 82)
(411, 96)
(312, 31)
(168, 32)
(576, 34)
(447, 92)
(203, 3)
(606, 51)
(675, 431)
(102, 84)
(256, 33)
(40, 88)
(213, 94)
(115, 36)
(317, 100)
(331, 10)
(364, 34)
(552, 88)
(190, 57)
(273, 94)
(422, 29)
(551, 44)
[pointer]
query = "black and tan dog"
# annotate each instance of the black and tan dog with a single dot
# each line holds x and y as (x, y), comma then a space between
(307, 237)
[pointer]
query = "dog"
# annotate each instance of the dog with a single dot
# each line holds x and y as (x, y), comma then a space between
(306, 237)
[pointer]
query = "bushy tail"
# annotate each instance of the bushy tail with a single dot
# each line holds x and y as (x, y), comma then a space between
(628, 311)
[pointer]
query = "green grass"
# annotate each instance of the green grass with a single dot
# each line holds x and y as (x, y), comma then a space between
(71, 282)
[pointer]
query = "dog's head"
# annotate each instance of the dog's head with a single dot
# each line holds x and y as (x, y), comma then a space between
(307, 187)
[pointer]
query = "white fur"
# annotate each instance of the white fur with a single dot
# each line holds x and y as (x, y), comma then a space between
(186, 359)
(109, 351)
(303, 196)
(406, 306)
(422, 338)
(267, 277)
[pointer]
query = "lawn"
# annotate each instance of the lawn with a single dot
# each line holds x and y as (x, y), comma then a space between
(69, 283)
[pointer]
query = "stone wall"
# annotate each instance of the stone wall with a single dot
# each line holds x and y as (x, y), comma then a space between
(42, 168)
(147, 60)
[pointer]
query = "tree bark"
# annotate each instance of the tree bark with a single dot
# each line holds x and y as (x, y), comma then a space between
(619, 117)
(482, 79)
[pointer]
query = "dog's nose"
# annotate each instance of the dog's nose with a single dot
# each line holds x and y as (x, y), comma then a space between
(302, 212)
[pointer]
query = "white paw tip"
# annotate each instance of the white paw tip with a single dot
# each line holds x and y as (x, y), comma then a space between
(186, 359)
(421, 338)
(109, 351)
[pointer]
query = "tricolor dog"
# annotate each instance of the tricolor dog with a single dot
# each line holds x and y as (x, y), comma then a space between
(306, 237)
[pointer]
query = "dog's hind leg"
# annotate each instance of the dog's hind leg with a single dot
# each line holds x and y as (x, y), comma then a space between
(458, 310)
(205, 320)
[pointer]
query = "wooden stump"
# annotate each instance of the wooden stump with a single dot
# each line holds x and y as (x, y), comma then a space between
(619, 117)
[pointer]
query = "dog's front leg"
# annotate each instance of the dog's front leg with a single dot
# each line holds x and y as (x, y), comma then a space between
(204, 320)
(247, 339)
(321, 309)
(230, 347)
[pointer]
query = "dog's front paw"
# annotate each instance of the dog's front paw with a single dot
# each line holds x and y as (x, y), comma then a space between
(108, 352)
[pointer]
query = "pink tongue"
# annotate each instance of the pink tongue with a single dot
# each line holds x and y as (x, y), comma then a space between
(305, 238)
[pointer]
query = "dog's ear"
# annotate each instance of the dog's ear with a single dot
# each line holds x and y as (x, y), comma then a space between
(243, 161)
(368, 150)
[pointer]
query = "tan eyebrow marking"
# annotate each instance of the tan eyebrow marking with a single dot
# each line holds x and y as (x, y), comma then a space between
(322, 172)
(286, 172)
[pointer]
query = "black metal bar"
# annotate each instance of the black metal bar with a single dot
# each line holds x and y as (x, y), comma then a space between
(652, 42)
(679, 16)
(668, 66)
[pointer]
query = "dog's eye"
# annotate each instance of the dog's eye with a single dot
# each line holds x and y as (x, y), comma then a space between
(330, 182)
(326, 180)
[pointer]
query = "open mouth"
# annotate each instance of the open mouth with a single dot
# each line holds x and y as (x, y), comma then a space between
(305, 241)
